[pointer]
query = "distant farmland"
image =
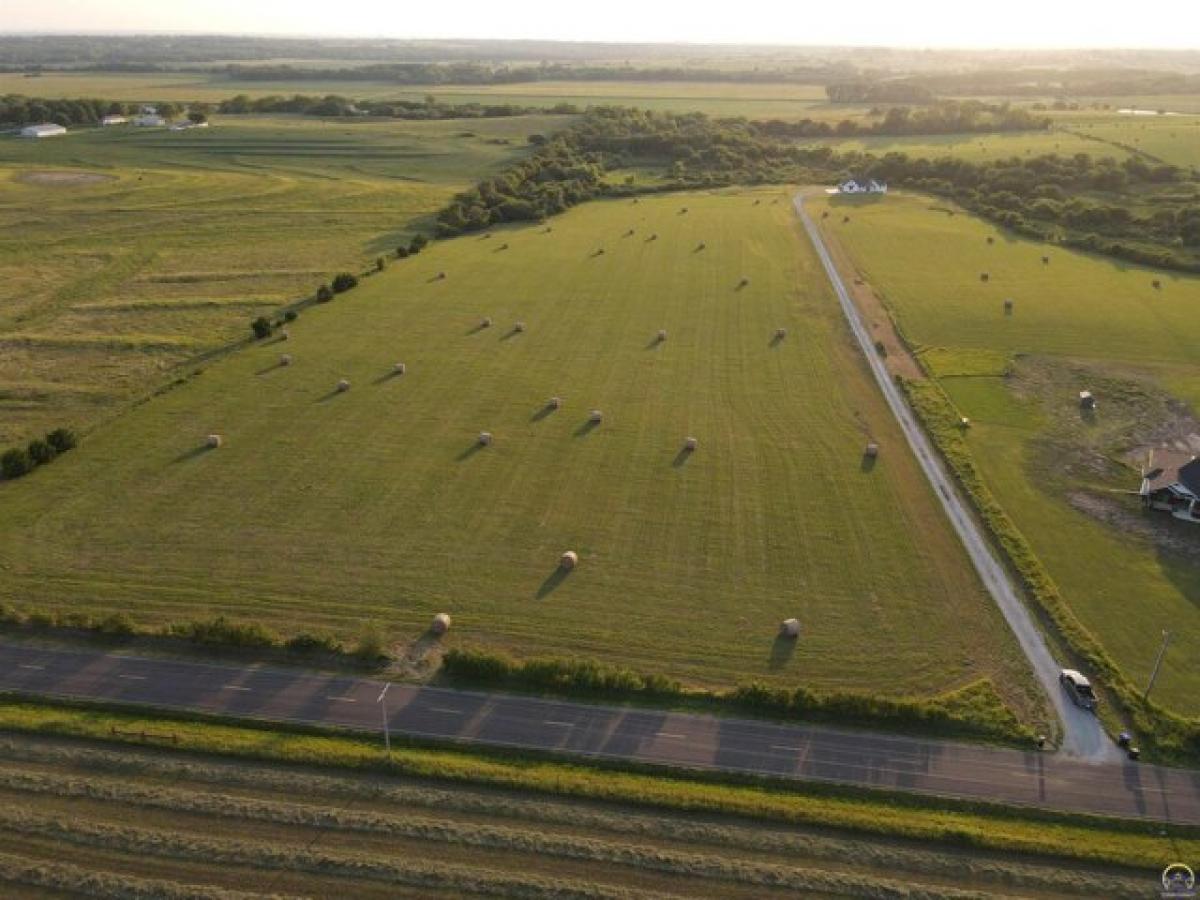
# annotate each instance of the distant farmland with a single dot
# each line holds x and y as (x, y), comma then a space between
(325, 510)
(125, 251)
(1078, 322)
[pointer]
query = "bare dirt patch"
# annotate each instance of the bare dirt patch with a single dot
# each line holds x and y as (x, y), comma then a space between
(1160, 530)
(63, 179)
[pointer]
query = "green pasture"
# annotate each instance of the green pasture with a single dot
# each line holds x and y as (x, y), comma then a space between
(771, 100)
(327, 510)
(1079, 322)
(125, 251)
(975, 147)
(1172, 139)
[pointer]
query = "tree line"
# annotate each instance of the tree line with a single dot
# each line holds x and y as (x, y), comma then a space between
(337, 105)
(17, 109)
(942, 117)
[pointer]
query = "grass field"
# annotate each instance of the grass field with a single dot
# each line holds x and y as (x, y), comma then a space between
(976, 147)
(1173, 139)
(124, 252)
(1080, 322)
(325, 510)
(787, 101)
(111, 820)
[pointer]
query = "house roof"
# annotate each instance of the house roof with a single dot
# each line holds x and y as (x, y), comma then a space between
(1170, 467)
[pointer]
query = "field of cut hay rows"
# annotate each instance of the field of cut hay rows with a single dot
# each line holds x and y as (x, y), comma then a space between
(327, 506)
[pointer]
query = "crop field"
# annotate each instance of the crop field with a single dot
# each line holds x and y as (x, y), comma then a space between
(1078, 322)
(326, 509)
(785, 101)
(124, 252)
(976, 147)
(87, 819)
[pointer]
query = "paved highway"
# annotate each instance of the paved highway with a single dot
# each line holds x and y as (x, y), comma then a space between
(1082, 734)
(641, 735)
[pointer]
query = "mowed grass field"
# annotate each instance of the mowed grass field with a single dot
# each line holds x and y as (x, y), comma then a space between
(1174, 139)
(769, 100)
(976, 147)
(126, 251)
(95, 820)
(326, 510)
(1079, 322)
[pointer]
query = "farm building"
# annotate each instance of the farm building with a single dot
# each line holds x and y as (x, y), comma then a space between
(1171, 482)
(113, 120)
(150, 120)
(42, 131)
(862, 186)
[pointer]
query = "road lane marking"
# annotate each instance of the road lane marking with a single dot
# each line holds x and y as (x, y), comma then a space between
(234, 687)
(671, 734)
(30, 666)
(446, 711)
(343, 699)
(562, 724)
(782, 747)
(133, 677)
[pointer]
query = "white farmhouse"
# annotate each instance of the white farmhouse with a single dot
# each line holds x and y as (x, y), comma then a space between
(42, 131)
(113, 120)
(149, 120)
(862, 186)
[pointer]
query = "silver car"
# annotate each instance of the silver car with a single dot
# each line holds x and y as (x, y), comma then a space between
(1079, 689)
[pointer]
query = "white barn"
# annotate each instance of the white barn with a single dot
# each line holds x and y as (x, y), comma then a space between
(42, 131)
(113, 120)
(150, 120)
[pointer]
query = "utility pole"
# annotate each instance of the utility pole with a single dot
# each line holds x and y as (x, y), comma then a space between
(1157, 662)
(387, 736)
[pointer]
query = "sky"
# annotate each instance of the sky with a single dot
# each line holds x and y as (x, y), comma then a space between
(1168, 24)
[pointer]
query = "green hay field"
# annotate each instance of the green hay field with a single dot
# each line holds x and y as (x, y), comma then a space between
(1080, 322)
(326, 510)
(156, 246)
(787, 101)
(1172, 139)
(977, 147)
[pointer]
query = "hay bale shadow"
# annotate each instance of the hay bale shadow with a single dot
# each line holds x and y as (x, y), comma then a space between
(193, 453)
(510, 334)
(325, 398)
(469, 452)
(742, 285)
(776, 340)
(476, 329)
(267, 370)
(681, 457)
(553, 580)
(586, 428)
(783, 648)
(542, 413)
(868, 462)
(386, 376)
(655, 343)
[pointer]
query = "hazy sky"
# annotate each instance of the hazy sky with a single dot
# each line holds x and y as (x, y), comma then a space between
(922, 23)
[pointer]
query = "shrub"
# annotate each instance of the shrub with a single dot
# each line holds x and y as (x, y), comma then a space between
(15, 463)
(290, 315)
(116, 624)
(310, 644)
(40, 452)
(880, 348)
(417, 244)
(344, 281)
(380, 264)
(261, 327)
(62, 439)
(324, 294)
(401, 253)
(222, 632)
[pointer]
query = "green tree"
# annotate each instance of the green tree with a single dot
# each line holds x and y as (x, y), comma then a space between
(15, 463)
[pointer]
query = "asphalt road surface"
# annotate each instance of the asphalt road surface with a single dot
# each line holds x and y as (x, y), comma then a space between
(641, 735)
(1082, 734)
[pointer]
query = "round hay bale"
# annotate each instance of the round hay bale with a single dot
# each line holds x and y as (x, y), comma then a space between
(1045, 260)
(690, 444)
(780, 334)
(504, 246)
(871, 451)
(983, 276)
(1008, 304)
(845, 219)
(213, 441)
(285, 359)
(520, 326)
(440, 624)
(789, 628)
(595, 417)
(964, 422)
(284, 334)
(568, 560)
(1156, 284)
(554, 403)
(441, 276)
(343, 386)
(399, 368)
(662, 334)
(485, 438)
(485, 322)
(990, 239)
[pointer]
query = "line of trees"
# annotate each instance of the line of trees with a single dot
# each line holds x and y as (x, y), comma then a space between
(20, 461)
(17, 109)
(944, 117)
(334, 105)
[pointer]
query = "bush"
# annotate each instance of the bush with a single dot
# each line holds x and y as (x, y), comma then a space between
(324, 294)
(116, 624)
(261, 327)
(401, 253)
(380, 264)
(880, 348)
(290, 315)
(40, 452)
(62, 439)
(417, 244)
(344, 281)
(306, 644)
(222, 632)
(15, 463)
